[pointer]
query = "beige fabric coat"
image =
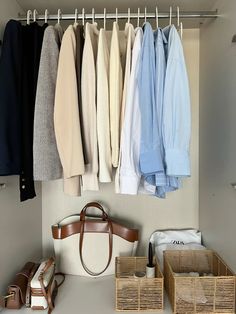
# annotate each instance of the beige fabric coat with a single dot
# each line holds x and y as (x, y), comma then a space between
(89, 114)
(103, 103)
(66, 115)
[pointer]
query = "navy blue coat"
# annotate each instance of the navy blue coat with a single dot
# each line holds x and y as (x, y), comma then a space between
(10, 99)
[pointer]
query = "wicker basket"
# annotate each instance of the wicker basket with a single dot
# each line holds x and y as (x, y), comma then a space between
(205, 294)
(137, 294)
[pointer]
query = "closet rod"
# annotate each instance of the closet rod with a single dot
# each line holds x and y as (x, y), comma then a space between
(100, 16)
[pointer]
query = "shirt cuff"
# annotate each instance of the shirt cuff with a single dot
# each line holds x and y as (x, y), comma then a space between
(90, 182)
(129, 185)
(151, 162)
(178, 163)
(72, 186)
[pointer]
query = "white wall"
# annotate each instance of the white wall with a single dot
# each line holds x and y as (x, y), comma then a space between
(179, 210)
(20, 223)
(218, 132)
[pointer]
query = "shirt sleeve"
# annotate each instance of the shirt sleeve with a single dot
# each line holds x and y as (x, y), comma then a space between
(177, 114)
(89, 115)
(150, 149)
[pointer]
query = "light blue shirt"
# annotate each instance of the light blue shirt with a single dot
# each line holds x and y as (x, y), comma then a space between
(150, 147)
(163, 182)
(176, 126)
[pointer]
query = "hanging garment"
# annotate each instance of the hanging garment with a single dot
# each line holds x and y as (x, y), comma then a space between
(129, 38)
(130, 35)
(150, 151)
(32, 44)
(10, 99)
(103, 121)
(163, 182)
(66, 115)
(89, 115)
(47, 164)
(79, 36)
(176, 108)
(116, 87)
(130, 175)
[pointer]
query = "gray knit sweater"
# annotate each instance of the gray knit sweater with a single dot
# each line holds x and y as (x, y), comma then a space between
(47, 165)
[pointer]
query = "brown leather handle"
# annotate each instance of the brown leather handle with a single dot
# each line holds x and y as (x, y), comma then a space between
(48, 294)
(96, 205)
(47, 266)
(90, 272)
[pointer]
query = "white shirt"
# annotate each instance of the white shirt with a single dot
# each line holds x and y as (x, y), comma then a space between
(130, 137)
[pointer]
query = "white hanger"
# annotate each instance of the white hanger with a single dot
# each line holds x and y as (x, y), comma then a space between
(76, 15)
(170, 23)
(157, 18)
(179, 25)
(138, 17)
(116, 15)
(104, 18)
(58, 16)
(178, 17)
(46, 16)
(145, 14)
(35, 15)
(83, 16)
(181, 30)
(29, 14)
(128, 15)
(93, 15)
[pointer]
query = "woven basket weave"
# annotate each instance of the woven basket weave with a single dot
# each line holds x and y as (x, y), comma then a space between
(204, 294)
(137, 294)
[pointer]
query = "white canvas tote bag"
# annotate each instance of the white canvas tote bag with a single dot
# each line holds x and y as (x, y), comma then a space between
(87, 246)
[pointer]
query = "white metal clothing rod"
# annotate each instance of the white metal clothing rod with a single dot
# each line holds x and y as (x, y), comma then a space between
(113, 16)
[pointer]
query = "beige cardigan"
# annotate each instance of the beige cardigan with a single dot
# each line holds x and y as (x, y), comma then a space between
(103, 119)
(116, 86)
(66, 115)
(130, 35)
(89, 114)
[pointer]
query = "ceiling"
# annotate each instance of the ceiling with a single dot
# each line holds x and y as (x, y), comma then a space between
(68, 6)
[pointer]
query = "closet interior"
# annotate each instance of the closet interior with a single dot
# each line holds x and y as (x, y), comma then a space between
(207, 199)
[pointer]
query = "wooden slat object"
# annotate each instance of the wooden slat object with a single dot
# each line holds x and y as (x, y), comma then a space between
(137, 294)
(204, 294)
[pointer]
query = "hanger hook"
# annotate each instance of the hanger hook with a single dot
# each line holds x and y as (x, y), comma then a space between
(29, 14)
(138, 17)
(76, 15)
(116, 15)
(181, 30)
(104, 18)
(170, 15)
(93, 15)
(83, 16)
(128, 15)
(157, 17)
(35, 15)
(145, 14)
(58, 16)
(178, 24)
(46, 16)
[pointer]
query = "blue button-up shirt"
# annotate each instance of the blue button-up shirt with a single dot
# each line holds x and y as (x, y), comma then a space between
(176, 126)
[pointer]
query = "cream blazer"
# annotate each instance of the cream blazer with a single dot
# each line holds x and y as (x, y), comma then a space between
(66, 115)
(103, 103)
(89, 114)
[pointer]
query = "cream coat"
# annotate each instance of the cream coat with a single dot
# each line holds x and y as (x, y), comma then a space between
(103, 122)
(66, 115)
(89, 114)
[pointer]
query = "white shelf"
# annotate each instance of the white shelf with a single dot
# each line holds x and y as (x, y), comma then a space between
(80, 295)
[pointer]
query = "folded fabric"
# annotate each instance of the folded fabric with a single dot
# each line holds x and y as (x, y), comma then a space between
(176, 237)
